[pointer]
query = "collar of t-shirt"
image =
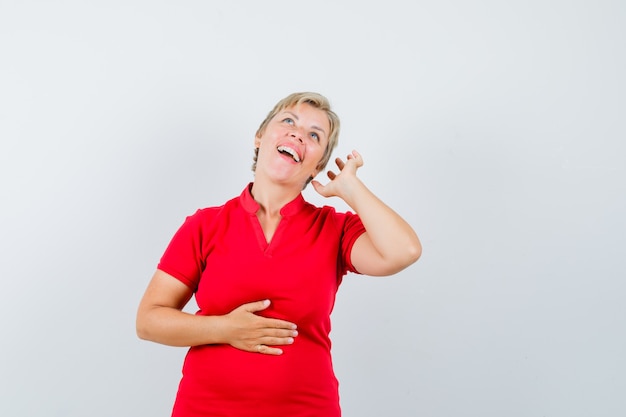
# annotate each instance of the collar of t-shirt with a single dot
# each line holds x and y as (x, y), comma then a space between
(251, 206)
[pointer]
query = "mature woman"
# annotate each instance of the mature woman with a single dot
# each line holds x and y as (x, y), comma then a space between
(265, 268)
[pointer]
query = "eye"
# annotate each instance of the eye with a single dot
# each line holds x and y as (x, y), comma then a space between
(288, 120)
(315, 136)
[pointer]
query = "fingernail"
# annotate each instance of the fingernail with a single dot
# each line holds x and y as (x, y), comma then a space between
(290, 340)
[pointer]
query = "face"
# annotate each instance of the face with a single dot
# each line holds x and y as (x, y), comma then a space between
(293, 144)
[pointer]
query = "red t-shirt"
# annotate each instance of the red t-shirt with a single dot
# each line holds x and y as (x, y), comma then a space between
(221, 253)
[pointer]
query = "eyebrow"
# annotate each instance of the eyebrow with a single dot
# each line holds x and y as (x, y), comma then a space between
(315, 127)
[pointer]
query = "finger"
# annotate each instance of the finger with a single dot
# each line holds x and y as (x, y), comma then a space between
(266, 350)
(322, 190)
(278, 325)
(277, 336)
(331, 175)
(317, 186)
(358, 158)
(276, 341)
(268, 345)
(256, 306)
(340, 163)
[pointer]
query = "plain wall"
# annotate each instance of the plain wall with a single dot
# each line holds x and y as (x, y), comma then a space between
(495, 128)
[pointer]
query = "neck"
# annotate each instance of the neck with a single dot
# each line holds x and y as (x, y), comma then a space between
(272, 197)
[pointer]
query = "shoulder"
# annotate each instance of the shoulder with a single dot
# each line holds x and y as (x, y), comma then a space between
(328, 211)
(207, 215)
(230, 205)
(329, 214)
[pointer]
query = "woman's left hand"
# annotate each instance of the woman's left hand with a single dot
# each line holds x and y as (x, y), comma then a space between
(389, 243)
(340, 184)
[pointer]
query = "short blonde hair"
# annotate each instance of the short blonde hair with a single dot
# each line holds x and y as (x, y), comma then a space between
(319, 102)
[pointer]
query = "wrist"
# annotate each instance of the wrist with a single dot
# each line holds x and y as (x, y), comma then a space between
(351, 191)
(217, 330)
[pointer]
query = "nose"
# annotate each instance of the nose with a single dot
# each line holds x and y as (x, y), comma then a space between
(297, 134)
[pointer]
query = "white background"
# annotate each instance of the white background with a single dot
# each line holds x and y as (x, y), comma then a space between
(497, 129)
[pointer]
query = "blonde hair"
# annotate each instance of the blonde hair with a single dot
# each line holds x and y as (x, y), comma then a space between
(319, 102)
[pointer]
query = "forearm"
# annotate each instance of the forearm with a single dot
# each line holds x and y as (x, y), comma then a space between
(161, 319)
(169, 326)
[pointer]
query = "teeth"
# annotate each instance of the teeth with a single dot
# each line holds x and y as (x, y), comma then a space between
(290, 151)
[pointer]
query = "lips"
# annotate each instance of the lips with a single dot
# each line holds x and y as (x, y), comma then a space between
(286, 150)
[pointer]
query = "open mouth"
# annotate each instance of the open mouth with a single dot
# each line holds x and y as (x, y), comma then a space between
(285, 150)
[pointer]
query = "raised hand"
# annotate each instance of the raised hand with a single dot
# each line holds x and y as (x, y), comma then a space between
(389, 243)
(253, 333)
(342, 183)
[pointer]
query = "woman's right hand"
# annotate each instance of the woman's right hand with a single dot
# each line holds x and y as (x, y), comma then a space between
(160, 319)
(248, 331)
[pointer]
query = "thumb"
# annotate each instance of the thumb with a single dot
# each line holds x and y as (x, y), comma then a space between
(257, 306)
(319, 188)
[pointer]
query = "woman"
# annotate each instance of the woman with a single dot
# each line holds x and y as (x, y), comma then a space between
(265, 268)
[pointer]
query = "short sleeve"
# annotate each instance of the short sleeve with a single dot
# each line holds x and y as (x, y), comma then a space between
(352, 229)
(183, 258)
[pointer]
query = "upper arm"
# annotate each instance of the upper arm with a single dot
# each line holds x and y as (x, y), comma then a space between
(164, 296)
(165, 291)
(367, 260)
